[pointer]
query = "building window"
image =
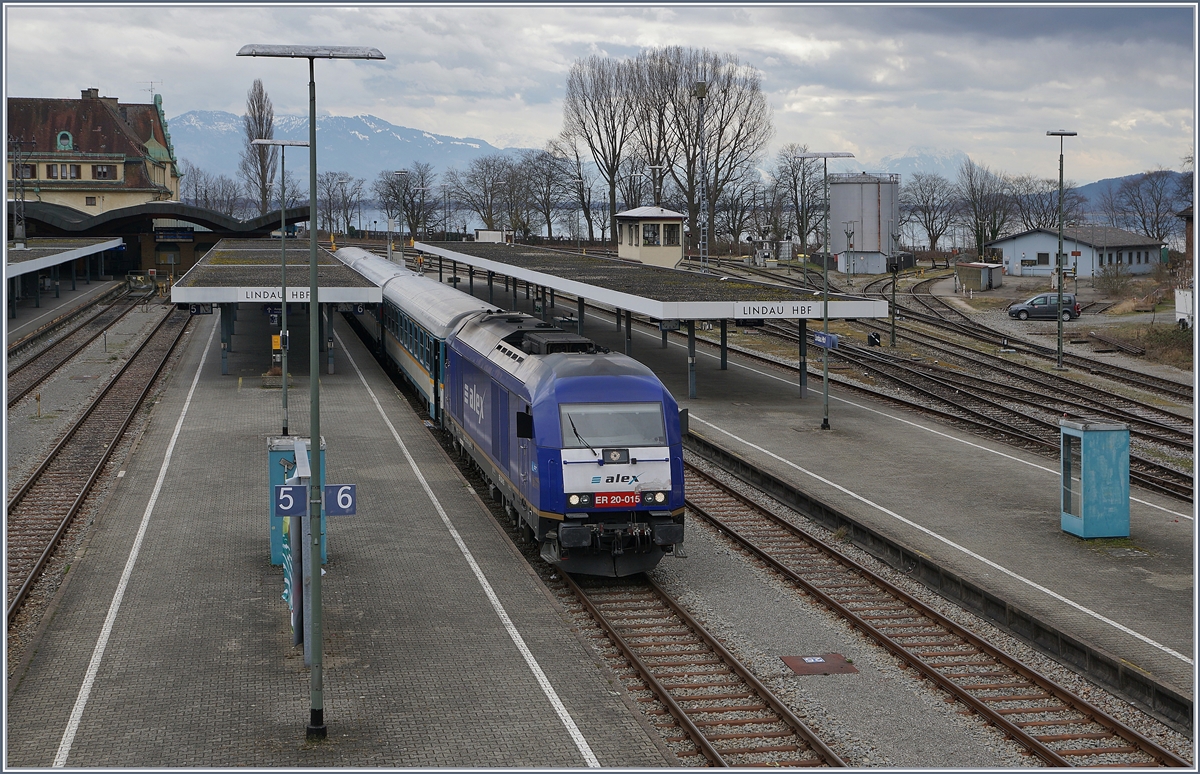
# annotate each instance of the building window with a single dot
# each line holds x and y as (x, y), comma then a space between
(649, 234)
(1043, 259)
(63, 171)
(671, 234)
(24, 171)
(89, 201)
(104, 171)
(1120, 258)
(620, 233)
(65, 143)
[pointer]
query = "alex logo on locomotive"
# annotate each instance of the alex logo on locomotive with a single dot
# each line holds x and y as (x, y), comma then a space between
(473, 400)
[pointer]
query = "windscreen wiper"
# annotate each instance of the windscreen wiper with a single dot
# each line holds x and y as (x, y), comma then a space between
(580, 437)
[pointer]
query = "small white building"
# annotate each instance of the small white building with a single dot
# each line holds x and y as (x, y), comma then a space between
(1088, 249)
(650, 235)
(500, 236)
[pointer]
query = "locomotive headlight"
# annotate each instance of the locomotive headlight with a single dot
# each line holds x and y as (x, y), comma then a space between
(573, 499)
(660, 497)
(648, 497)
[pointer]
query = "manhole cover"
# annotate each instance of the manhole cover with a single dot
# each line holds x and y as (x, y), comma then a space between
(824, 664)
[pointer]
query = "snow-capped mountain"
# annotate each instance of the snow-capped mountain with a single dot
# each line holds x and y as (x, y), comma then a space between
(916, 159)
(362, 145)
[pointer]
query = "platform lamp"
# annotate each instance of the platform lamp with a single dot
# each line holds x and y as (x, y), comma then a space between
(283, 329)
(1058, 259)
(825, 275)
(316, 723)
(401, 178)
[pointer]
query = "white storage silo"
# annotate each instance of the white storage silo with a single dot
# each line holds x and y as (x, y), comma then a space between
(868, 206)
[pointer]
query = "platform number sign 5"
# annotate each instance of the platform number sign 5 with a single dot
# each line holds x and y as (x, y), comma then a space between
(341, 499)
(290, 500)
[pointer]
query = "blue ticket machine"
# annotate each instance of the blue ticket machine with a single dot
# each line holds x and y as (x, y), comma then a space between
(281, 450)
(1095, 479)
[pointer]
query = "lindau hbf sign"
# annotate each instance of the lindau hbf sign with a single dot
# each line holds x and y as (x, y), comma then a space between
(799, 310)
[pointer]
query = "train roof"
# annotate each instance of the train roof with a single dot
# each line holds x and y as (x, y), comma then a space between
(539, 354)
(438, 308)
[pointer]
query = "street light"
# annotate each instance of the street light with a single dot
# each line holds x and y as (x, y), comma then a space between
(316, 721)
(283, 329)
(825, 274)
(656, 181)
(401, 177)
(1058, 259)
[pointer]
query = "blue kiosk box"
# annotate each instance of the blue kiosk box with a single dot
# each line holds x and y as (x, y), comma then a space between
(1095, 479)
(281, 450)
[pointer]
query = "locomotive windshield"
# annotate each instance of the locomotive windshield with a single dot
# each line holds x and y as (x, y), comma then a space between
(593, 425)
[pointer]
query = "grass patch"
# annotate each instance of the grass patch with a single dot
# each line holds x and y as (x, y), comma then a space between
(1164, 343)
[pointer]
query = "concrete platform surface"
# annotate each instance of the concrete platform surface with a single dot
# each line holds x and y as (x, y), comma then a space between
(197, 670)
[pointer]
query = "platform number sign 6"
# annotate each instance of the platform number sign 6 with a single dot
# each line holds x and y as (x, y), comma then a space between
(341, 499)
(290, 500)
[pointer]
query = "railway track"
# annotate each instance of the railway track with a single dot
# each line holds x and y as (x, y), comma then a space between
(708, 703)
(22, 346)
(41, 511)
(1028, 420)
(1052, 723)
(30, 373)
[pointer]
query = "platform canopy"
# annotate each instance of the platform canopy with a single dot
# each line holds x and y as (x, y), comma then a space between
(248, 271)
(659, 293)
(42, 253)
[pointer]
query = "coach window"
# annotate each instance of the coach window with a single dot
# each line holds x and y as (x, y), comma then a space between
(650, 234)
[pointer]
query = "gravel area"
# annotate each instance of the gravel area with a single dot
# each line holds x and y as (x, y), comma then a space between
(750, 612)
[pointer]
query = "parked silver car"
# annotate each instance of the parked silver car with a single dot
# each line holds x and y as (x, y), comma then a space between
(1044, 306)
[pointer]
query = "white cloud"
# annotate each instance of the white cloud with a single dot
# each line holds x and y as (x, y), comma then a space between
(874, 80)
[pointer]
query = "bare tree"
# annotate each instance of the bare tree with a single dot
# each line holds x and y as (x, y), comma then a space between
(801, 182)
(598, 111)
(1150, 202)
(931, 201)
(633, 185)
(418, 200)
(478, 188)
(329, 199)
(547, 183)
(737, 124)
(257, 166)
(985, 203)
(654, 79)
(579, 178)
(1035, 200)
(388, 189)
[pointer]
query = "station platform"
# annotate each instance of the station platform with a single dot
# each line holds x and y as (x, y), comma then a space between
(987, 512)
(195, 666)
(30, 317)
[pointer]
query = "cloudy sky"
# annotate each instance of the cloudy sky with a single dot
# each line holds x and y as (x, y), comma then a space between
(874, 80)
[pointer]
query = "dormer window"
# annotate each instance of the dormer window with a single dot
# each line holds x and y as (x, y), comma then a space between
(65, 141)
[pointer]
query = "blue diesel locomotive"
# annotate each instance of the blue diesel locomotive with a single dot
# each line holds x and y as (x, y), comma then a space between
(582, 444)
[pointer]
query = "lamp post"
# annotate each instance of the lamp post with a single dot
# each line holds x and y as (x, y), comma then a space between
(656, 181)
(825, 274)
(1058, 258)
(283, 329)
(402, 181)
(316, 721)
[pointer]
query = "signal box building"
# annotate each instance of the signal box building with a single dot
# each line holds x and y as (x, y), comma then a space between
(92, 154)
(650, 235)
(1090, 251)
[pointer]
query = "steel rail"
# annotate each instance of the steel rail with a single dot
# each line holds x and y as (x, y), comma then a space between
(110, 297)
(51, 359)
(663, 693)
(1013, 729)
(31, 576)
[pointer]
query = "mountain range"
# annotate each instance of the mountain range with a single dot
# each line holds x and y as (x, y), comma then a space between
(361, 145)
